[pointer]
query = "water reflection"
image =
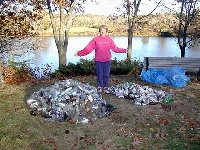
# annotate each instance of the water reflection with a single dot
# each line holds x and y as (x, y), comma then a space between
(142, 47)
(145, 40)
(45, 50)
(46, 54)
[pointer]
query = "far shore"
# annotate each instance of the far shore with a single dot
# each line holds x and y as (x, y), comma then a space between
(87, 31)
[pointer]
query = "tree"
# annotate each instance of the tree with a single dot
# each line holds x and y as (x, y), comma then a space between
(17, 18)
(62, 26)
(132, 16)
(132, 9)
(187, 16)
(16, 21)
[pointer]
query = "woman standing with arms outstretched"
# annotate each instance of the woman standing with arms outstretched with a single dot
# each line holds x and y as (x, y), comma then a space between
(102, 44)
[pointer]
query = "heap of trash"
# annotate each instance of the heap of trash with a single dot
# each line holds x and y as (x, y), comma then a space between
(71, 100)
(141, 95)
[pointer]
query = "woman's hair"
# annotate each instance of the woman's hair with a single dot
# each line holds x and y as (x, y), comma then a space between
(103, 27)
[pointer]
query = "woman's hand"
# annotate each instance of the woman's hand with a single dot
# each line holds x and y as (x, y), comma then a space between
(76, 54)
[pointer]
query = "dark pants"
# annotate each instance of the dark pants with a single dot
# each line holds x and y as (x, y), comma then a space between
(103, 73)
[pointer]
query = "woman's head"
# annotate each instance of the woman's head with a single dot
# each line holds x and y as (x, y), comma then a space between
(103, 30)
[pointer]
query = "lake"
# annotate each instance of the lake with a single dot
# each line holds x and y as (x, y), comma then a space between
(46, 52)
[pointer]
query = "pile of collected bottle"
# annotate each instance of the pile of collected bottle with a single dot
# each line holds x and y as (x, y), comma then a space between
(141, 95)
(69, 100)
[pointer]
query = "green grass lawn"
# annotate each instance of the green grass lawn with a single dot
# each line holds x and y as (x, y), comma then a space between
(174, 126)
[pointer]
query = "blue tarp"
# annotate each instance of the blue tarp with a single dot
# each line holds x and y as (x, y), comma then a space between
(174, 76)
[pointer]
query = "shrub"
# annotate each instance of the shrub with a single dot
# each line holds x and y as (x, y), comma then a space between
(87, 67)
(20, 72)
(16, 72)
(84, 67)
(126, 67)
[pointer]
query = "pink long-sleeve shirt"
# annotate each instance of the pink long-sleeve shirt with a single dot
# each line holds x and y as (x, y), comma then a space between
(102, 46)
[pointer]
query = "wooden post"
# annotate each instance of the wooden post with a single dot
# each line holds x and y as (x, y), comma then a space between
(147, 63)
(198, 75)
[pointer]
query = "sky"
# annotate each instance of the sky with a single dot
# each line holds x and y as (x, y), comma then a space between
(107, 7)
(102, 8)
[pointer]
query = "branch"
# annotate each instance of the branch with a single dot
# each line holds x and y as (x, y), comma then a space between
(155, 8)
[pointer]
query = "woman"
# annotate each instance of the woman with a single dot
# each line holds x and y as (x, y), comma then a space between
(102, 45)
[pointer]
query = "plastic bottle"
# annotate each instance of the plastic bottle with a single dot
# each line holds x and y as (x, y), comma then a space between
(167, 99)
(113, 107)
(140, 103)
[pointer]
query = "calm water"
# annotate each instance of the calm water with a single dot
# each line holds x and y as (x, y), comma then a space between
(142, 47)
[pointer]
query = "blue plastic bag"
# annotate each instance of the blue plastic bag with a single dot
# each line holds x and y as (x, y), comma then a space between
(161, 80)
(170, 76)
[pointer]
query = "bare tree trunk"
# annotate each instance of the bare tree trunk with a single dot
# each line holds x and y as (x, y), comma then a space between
(62, 43)
(180, 33)
(130, 43)
(130, 32)
(1, 77)
(131, 24)
(182, 48)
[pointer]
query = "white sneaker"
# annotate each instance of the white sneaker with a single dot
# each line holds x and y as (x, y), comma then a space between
(106, 90)
(99, 89)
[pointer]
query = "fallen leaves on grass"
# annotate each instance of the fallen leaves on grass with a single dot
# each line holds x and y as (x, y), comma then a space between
(115, 81)
(166, 106)
(192, 122)
(45, 142)
(163, 122)
(50, 141)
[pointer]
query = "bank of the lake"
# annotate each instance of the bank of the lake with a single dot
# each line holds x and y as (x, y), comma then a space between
(90, 31)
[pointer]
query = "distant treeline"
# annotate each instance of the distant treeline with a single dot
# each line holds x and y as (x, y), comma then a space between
(152, 25)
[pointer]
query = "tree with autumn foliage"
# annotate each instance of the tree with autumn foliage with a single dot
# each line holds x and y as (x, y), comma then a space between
(23, 15)
(18, 19)
(24, 20)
